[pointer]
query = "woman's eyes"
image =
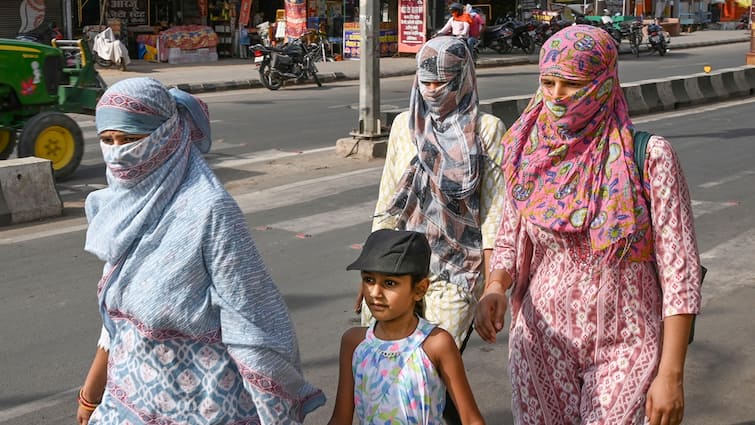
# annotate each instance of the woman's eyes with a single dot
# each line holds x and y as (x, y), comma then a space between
(390, 283)
(126, 140)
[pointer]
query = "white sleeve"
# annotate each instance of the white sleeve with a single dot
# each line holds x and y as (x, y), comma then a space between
(104, 341)
(446, 28)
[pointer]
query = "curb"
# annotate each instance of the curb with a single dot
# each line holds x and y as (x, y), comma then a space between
(648, 96)
(211, 87)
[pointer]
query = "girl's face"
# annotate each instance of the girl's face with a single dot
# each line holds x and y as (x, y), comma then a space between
(561, 88)
(118, 138)
(391, 297)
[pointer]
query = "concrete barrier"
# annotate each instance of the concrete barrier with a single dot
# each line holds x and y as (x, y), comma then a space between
(655, 95)
(643, 97)
(27, 191)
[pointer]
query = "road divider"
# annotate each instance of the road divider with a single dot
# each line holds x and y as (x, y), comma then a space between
(27, 191)
(643, 97)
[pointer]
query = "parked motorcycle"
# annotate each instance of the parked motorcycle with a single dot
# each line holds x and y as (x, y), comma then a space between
(293, 61)
(494, 37)
(657, 39)
(517, 34)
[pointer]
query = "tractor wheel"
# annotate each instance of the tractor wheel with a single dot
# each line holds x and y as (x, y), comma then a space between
(7, 143)
(54, 136)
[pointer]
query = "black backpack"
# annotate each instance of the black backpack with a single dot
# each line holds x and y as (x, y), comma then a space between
(641, 139)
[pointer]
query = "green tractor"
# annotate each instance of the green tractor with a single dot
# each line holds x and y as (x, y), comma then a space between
(39, 85)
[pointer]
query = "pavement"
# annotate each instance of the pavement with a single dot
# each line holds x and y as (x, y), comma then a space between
(236, 74)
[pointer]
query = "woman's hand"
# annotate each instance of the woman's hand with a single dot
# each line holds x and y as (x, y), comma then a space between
(82, 416)
(665, 401)
(490, 311)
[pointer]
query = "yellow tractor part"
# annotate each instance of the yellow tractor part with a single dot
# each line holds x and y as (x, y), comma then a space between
(55, 143)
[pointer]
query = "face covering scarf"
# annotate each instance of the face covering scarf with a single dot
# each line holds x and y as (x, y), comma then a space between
(142, 176)
(570, 165)
(438, 194)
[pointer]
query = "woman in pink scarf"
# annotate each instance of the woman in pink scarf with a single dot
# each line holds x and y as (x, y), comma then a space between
(598, 336)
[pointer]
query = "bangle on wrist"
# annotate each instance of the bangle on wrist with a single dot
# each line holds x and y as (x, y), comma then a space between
(86, 404)
(500, 282)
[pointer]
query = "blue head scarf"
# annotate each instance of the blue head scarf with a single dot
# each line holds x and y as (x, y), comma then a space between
(142, 176)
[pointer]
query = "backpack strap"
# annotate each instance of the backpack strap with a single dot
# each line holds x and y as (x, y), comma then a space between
(641, 139)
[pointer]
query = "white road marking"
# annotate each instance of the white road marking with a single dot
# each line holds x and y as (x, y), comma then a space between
(275, 197)
(734, 177)
(730, 266)
(307, 190)
(687, 112)
(279, 197)
(316, 224)
(700, 208)
(260, 156)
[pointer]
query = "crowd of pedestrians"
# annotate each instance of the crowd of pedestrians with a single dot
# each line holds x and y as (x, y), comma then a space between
(596, 256)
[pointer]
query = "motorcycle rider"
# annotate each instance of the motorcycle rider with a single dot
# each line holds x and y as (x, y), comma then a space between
(459, 23)
(475, 29)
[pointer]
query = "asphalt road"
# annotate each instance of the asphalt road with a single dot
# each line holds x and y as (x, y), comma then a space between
(308, 210)
(306, 117)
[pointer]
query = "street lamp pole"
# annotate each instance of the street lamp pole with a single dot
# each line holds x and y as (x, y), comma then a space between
(368, 141)
(369, 69)
(750, 57)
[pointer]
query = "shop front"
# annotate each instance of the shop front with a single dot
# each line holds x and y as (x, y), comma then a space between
(339, 20)
(25, 15)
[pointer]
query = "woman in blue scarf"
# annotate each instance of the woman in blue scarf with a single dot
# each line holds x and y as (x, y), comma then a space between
(196, 330)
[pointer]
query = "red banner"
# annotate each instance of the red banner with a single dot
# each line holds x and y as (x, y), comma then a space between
(411, 25)
(202, 5)
(245, 12)
(296, 17)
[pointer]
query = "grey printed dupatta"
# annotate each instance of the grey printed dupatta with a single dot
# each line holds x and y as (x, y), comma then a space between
(438, 195)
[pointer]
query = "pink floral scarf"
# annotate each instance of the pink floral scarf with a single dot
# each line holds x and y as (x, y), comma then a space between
(570, 164)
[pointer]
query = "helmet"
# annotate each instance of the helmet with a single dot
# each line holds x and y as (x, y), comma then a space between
(456, 7)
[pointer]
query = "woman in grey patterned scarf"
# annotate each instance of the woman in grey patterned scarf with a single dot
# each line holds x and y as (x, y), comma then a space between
(442, 177)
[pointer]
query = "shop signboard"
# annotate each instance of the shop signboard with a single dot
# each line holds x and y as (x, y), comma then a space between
(296, 17)
(388, 40)
(412, 22)
(245, 12)
(351, 40)
(131, 12)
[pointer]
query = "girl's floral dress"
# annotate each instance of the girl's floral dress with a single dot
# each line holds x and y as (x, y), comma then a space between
(395, 382)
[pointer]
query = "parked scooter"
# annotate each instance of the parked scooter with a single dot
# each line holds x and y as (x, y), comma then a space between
(658, 39)
(109, 51)
(293, 61)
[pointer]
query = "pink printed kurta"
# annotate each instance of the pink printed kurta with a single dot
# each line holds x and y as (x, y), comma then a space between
(585, 333)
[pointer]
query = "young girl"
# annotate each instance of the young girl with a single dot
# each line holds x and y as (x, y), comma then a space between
(397, 370)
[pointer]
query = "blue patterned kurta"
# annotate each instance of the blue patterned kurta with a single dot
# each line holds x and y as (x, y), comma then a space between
(395, 383)
(199, 333)
(202, 335)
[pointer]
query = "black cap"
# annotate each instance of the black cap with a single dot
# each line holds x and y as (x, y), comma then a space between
(395, 252)
(456, 6)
